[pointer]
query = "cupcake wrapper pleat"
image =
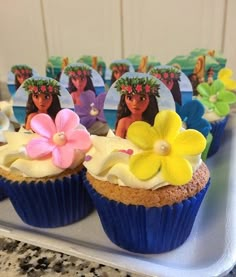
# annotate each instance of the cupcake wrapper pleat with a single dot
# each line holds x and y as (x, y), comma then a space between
(147, 230)
(3, 194)
(50, 204)
(217, 132)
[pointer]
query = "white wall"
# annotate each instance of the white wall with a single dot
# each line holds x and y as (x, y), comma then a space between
(31, 31)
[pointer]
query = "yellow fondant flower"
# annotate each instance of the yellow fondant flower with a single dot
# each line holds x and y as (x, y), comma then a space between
(166, 148)
(225, 75)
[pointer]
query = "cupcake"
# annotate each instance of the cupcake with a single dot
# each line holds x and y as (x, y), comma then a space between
(41, 172)
(217, 100)
(148, 188)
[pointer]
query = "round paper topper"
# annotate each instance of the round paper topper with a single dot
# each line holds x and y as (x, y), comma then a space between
(142, 84)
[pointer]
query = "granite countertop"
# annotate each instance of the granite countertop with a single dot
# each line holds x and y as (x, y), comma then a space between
(22, 259)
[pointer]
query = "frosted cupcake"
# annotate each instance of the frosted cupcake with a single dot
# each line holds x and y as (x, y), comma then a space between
(148, 188)
(216, 100)
(41, 172)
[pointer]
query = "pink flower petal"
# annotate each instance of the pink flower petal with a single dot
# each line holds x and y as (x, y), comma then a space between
(39, 147)
(66, 120)
(63, 156)
(79, 139)
(43, 125)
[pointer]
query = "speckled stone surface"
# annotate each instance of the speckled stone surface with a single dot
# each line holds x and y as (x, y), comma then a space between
(22, 259)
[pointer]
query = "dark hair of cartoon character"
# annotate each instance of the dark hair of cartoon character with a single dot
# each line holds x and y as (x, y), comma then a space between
(52, 111)
(89, 85)
(148, 115)
(176, 92)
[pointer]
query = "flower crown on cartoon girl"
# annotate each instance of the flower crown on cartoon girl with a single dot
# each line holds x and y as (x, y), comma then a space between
(166, 73)
(121, 66)
(44, 86)
(78, 71)
(144, 85)
(21, 69)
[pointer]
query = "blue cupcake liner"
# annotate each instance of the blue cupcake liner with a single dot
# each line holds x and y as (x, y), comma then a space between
(3, 194)
(147, 230)
(50, 204)
(217, 132)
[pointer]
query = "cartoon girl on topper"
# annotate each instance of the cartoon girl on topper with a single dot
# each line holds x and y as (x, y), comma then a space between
(42, 98)
(79, 81)
(87, 104)
(170, 76)
(21, 72)
(118, 68)
(137, 101)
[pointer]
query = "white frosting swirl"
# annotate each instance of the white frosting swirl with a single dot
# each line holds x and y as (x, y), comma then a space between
(108, 160)
(13, 157)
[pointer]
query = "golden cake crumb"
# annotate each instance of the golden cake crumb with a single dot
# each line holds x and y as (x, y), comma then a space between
(167, 195)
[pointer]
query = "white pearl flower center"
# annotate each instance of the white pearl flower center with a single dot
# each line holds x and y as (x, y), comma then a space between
(94, 111)
(59, 138)
(162, 147)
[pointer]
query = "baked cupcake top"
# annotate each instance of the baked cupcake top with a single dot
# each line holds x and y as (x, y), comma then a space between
(150, 157)
(51, 149)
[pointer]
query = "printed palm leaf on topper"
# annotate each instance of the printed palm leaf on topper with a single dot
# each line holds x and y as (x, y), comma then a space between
(40, 95)
(88, 102)
(135, 95)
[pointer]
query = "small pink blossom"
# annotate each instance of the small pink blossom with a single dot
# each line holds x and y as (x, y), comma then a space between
(129, 89)
(43, 88)
(147, 88)
(172, 75)
(123, 87)
(139, 88)
(59, 139)
(50, 88)
(165, 75)
(35, 89)
(79, 72)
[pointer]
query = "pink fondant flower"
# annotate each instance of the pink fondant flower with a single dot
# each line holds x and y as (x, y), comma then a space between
(59, 139)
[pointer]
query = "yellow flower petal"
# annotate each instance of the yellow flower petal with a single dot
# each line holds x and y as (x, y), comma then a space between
(145, 165)
(176, 171)
(142, 134)
(225, 73)
(189, 142)
(167, 124)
